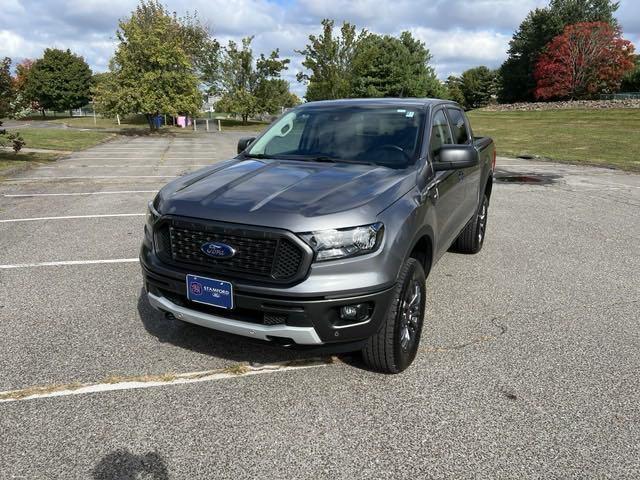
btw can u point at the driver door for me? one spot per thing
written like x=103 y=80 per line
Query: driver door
x=449 y=194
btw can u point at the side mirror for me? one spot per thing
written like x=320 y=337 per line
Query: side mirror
x=244 y=142
x=454 y=157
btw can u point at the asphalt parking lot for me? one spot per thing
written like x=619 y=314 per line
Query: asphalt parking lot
x=529 y=364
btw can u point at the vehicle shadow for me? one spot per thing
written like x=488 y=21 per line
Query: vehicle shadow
x=209 y=342
x=124 y=465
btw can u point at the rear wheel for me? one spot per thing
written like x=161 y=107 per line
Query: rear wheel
x=394 y=347
x=471 y=238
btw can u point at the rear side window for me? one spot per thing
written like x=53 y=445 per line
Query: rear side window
x=458 y=126
x=440 y=134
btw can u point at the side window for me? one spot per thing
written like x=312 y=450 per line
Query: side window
x=458 y=126
x=440 y=134
x=284 y=137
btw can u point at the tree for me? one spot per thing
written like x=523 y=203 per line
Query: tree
x=7 y=96
x=329 y=59
x=516 y=73
x=631 y=81
x=453 y=86
x=252 y=87
x=579 y=11
x=385 y=66
x=59 y=81
x=152 y=70
x=7 y=91
x=541 y=25
x=586 y=59
x=203 y=50
x=273 y=94
x=478 y=86
x=26 y=99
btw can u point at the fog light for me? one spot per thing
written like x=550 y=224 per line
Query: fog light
x=355 y=313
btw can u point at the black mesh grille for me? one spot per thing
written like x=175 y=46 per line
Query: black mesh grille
x=287 y=260
x=163 y=243
x=257 y=254
x=274 y=319
x=252 y=255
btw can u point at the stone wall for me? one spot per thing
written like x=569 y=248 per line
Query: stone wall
x=583 y=104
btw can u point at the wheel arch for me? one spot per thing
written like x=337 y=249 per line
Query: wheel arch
x=488 y=187
x=422 y=250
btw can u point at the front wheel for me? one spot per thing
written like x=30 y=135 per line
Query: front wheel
x=393 y=348
x=471 y=238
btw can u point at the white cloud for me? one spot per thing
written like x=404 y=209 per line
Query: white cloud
x=464 y=47
x=11 y=44
x=460 y=33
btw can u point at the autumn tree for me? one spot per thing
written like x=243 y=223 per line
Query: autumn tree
x=7 y=98
x=517 y=82
x=631 y=81
x=586 y=59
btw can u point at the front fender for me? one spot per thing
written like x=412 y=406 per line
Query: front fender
x=406 y=222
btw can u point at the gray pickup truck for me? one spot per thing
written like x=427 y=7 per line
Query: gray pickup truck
x=321 y=232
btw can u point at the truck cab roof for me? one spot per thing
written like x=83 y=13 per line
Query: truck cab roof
x=378 y=102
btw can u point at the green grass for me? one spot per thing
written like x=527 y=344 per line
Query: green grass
x=594 y=137
x=136 y=121
x=9 y=160
x=232 y=124
x=58 y=139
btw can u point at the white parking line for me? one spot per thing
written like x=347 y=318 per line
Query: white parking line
x=68 y=262
x=183 y=157
x=68 y=217
x=125 y=166
x=134 y=383
x=120 y=192
x=31 y=179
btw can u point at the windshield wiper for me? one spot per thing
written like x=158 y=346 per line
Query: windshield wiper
x=257 y=155
x=328 y=159
x=324 y=158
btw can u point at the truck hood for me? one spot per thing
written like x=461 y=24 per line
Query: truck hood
x=295 y=195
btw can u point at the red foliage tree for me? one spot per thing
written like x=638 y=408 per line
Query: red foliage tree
x=586 y=59
x=22 y=73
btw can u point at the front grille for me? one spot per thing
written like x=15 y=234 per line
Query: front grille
x=274 y=319
x=252 y=255
x=258 y=254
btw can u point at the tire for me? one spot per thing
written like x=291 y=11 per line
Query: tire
x=390 y=350
x=472 y=237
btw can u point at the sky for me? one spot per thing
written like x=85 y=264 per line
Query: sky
x=459 y=33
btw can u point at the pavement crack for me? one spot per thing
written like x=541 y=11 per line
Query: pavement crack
x=502 y=329
x=118 y=382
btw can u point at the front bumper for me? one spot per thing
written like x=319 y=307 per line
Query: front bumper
x=299 y=335
x=306 y=321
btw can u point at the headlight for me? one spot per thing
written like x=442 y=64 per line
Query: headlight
x=347 y=242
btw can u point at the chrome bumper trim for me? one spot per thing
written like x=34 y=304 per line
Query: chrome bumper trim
x=300 y=335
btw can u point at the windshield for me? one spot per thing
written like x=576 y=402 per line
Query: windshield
x=380 y=135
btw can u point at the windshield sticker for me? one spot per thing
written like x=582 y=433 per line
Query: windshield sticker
x=401 y=110
x=410 y=114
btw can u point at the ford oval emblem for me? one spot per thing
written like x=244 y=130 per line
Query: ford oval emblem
x=217 y=250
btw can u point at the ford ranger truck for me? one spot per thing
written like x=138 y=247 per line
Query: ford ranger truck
x=322 y=230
